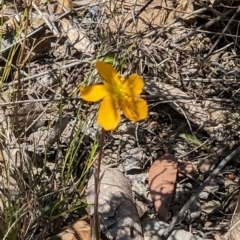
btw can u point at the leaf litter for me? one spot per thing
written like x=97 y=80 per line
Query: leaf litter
x=187 y=53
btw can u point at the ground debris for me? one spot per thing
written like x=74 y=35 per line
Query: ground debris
x=187 y=53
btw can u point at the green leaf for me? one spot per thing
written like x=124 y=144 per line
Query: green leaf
x=191 y=139
x=109 y=59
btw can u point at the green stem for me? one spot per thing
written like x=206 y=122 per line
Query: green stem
x=97 y=170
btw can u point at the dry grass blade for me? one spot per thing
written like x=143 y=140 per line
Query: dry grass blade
x=234 y=231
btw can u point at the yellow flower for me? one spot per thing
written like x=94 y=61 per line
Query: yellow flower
x=116 y=93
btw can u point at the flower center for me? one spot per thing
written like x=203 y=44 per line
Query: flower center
x=118 y=90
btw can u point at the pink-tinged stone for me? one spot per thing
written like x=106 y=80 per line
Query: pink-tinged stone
x=161 y=179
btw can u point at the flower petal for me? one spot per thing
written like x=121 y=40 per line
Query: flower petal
x=135 y=109
x=134 y=84
x=107 y=72
x=94 y=93
x=108 y=114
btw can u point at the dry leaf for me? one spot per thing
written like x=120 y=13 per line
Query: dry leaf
x=180 y=101
x=154 y=15
x=67 y=4
x=10 y=26
x=234 y=232
x=85 y=2
x=80 y=230
x=207 y=165
x=184 y=7
x=162 y=179
x=187 y=168
x=76 y=37
x=37 y=21
x=31 y=116
x=47 y=137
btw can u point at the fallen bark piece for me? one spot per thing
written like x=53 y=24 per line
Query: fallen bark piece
x=117 y=210
x=161 y=179
x=153 y=229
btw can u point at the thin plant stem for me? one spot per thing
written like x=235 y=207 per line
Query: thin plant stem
x=97 y=170
x=20 y=65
